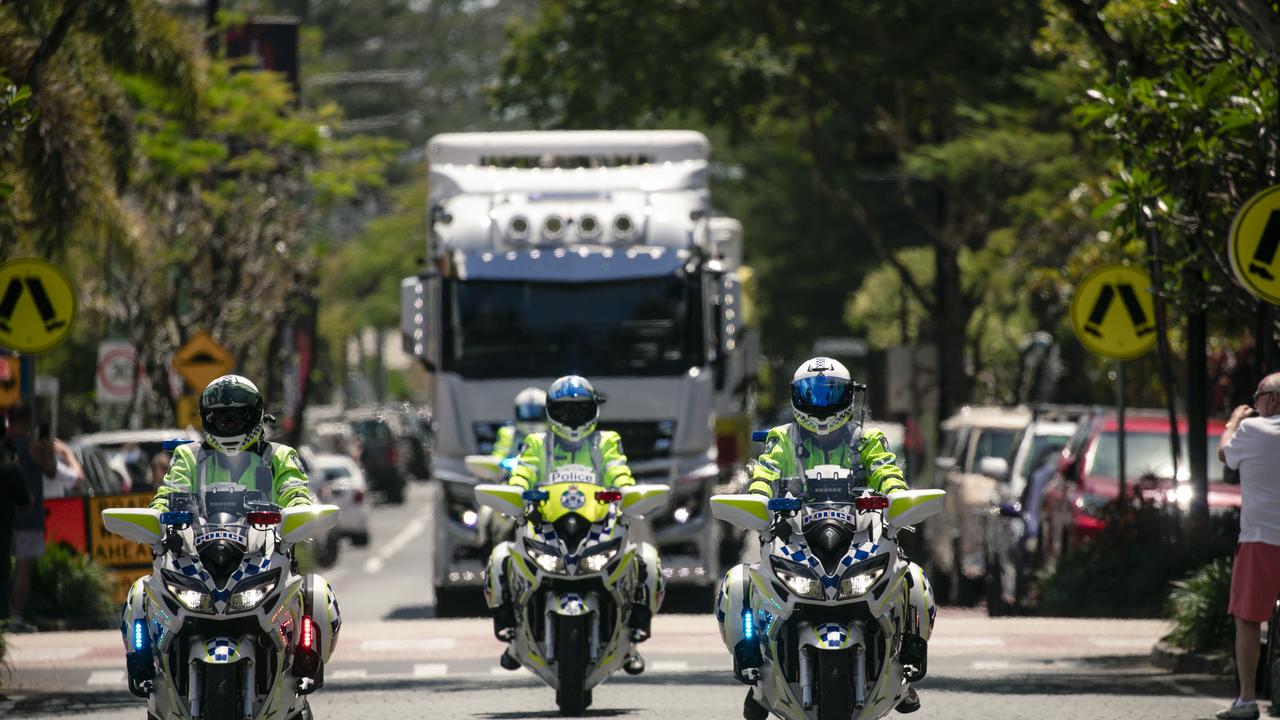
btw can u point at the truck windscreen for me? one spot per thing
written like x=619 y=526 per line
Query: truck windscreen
x=649 y=326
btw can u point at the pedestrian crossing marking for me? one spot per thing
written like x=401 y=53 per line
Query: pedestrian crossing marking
x=1113 y=312
x=1253 y=243
x=430 y=670
x=107 y=677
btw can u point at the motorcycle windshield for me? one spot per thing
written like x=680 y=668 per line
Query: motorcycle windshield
x=572 y=497
x=824 y=489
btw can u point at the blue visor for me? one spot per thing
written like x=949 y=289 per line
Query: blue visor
x=821 y=395
x=571 y=387
x=531 y=412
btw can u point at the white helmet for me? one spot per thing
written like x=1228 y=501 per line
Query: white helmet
x=531 y=410
x=822 y=395
x=232 y=412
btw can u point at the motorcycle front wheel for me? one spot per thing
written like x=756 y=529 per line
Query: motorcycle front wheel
x=835 y=684
x=222 y=693
x=571 y=664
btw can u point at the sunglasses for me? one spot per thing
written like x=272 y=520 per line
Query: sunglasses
x=1263 y=394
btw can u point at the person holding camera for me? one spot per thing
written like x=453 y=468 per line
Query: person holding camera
x=1251 y=444
x=36 y=461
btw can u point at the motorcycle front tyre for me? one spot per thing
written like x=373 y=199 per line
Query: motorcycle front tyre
x=835 y=684
x=222 y=693
x=571 y=664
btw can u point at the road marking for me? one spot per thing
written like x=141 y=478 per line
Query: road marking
x=1121 y=642
x=106 y=677
x=991 y=665
x=966 y=642
x=420 y=644
x=430 y=670
x=669 y=666
x=375 y=564
x=518 y=672
x=349 y=674
x=49 y=654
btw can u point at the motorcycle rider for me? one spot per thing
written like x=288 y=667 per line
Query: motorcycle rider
x=573 y=408
x=822 y=403
x=235 y=450
x=531 y=417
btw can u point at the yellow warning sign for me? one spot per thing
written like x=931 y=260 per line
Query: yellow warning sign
x=37 y=306
x=1113 y=313
x=1252 y=245
x=189 y=411
x=202 y=360
x=112 y=550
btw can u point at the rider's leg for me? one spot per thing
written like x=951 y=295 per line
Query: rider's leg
x=921 y=612
x=322 y=606
x=139 y=661
x=653 y=587
x=497 y=592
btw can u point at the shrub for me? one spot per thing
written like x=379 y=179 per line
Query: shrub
x=1126 y=570
x=66 y=585
x=1198 y=606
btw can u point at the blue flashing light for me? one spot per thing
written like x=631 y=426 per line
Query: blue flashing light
x=759 y=435
x=176 y=517
x=139 y=635
x=784 y=504
x=508 y=464
x=748 y=625
x=535 y=495
x=171 y=445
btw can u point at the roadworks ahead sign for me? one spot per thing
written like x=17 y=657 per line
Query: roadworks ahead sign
x=1252 y=245
x=37 y=306
x=1113 y=313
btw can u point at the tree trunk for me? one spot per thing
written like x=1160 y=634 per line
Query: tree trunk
x=950 y=319
x=1198 y=417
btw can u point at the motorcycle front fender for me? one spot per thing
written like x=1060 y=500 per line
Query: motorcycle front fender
x=830 y=636
x=573 y=604
x=221 y=650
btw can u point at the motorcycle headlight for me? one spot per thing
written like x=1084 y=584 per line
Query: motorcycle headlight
x=599 y=556
x=800 y=581
x=251 y=597
x=856 y=584
x=191 y=599
x=546 y=558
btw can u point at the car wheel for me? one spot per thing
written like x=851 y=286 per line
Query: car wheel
x=360 y=539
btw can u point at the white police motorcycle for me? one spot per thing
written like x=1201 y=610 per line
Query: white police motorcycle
x=572 y=577
x=832 y=622
x=223 y=628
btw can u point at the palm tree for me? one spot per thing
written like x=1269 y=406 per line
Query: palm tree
x=66 y=147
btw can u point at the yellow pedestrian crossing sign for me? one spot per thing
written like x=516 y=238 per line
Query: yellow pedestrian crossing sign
x=1252 y=245
x=1113 y=312
x=37 y=306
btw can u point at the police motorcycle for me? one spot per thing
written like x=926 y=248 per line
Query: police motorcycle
x=573 y=579
x=832 y=622
x=225 y=628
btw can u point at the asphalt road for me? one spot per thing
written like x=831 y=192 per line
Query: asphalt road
x=397 y=660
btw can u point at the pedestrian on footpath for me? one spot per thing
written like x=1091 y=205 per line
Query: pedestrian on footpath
x=1251 y=444
x=37 y=460
x=14 y=496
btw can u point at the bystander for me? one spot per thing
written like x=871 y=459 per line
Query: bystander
x=14 y=496
x=1251 y=444
x=37 y=460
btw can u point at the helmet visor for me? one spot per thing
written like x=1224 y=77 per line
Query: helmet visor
x=572 y=413
x=531 y=412
x=229 y=421
x=821 y=396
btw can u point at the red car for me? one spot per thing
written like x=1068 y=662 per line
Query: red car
x=1087 y=478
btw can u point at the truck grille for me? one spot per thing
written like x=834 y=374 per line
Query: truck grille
x=644 y=439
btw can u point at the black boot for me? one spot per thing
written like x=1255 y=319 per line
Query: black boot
x=504 y=622
x=507 y=662
x=634 y=664
x=910 y=703
x=640 y=622
x=752 y=710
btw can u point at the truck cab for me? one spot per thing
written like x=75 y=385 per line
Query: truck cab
x=592 y=253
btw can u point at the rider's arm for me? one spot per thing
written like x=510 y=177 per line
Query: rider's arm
x=769 y=466
x=616 y=472
x=179 y=479
x=289 y=488
x=883 y=473
x=505 y=444
x=529 y=465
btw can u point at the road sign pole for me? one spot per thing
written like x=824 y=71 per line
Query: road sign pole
x=1120 y=434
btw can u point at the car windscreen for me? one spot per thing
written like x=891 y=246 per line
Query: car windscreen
x=1039 y=445
x=648 y=326
x=1148 y=452
x=993 y=442
x=335 y=472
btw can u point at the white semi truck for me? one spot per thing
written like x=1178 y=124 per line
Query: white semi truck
x=595 y=253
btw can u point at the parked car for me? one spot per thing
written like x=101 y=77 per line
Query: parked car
x=341 y=482
x=1087 y=478
x=1008 y=567
x=379 y=453
x=99 y=477
x=131 y=452
x=977 y=443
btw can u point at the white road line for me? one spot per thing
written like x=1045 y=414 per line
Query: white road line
x=1121 y=642
x=669 y=666
x=348 y=674
x=106 y=677
x=992 y=665
x=19 y=655
x=430 y=670
x=375 y=564
x=419 y=644
x=966 y=642
x=521 y=672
